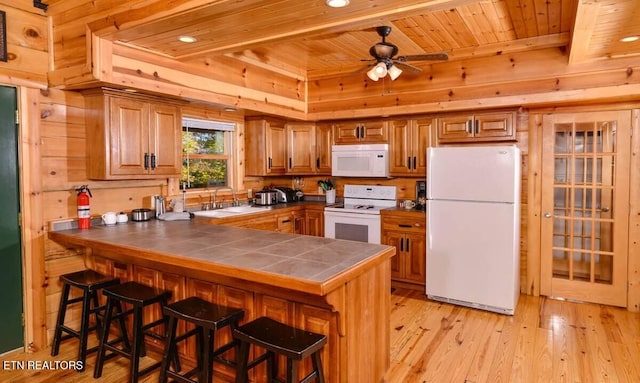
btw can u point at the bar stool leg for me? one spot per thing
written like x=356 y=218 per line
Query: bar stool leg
x=123 y=326
x=138 y=338
x=242 y=374
x=97 y=372
x=98 y=315
x=317 y=365
x=272 y=366
x=62 y=311
x=292 y=371
x=84 y=327
x=207 y=366
x=170 y=348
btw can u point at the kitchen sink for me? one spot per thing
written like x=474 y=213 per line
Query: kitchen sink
x=230 y=211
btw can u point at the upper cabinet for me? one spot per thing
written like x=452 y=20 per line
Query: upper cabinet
x=265 y=144
x=309 y=148
x=132 y=137
x=408 y=143
x=477 y=127
x=363 y=132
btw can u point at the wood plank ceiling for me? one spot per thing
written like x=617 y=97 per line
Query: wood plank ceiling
x=309 y=40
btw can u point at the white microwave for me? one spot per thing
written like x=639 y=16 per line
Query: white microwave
x=360 y=160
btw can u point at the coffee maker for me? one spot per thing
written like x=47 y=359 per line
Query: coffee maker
x=421 y=195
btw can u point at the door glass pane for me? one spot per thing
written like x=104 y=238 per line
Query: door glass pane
x=560 y=200
x=603 y=269
x=604 y=236
x=562 y=170
x=561 y=264
x=581 y=266
x=605 y=170
x=563 y=141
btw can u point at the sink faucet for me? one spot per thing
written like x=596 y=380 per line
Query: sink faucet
x=233 y=194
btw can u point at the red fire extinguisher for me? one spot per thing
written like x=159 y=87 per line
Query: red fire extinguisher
x=84 y=216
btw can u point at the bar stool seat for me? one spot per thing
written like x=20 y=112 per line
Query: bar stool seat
x=278 y=338
x=138 y=296
x=207 y=318
x=90 y=282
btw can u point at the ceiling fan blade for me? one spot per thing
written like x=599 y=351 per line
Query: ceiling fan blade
x=424 y=57
x=406 y=67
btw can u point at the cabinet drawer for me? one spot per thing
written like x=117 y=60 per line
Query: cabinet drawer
x=408 y=224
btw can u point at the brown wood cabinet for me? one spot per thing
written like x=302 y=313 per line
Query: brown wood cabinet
x=309 y=148
x=265 y=144
x=314 y=221
x=360 y=132
x=408 y=143
x=132 y=137
x=478 y=127
x=406 y=230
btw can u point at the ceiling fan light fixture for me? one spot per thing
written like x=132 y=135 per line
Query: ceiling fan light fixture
x=371 y=73
x=394 y=72
x=380 y=69
x=337 y=3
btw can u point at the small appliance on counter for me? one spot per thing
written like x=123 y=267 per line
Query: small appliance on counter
x=421 y=195
x=266 y=198
x=287 y=194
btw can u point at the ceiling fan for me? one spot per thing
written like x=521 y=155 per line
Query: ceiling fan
x=387 y=63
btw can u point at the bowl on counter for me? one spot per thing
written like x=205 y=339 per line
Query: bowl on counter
x=138 y=215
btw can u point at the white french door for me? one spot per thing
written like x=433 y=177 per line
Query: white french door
x=585 y=203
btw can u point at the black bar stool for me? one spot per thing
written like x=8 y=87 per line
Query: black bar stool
x=139 y=296
x=278 y=338
x=208 y=318
x=90 y=282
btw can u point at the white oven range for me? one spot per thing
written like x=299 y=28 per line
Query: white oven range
x=358 y=218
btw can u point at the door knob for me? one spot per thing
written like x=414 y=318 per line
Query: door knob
x=605 y=209
x=547 y=215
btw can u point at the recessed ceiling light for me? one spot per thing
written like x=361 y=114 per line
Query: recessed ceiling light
x=337 y=3
x=229 y=109
x=187 y=39
x=630 y=39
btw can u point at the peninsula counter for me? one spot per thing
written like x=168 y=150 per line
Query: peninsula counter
x=334 y=287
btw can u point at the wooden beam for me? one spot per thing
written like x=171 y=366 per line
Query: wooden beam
x=583 y=29
x=311 y=18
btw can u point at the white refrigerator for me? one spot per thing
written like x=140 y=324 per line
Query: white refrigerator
x=473 y=226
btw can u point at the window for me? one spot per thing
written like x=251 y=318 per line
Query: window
x=206 y=153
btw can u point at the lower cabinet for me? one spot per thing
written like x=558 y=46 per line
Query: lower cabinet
x=406 y=230
x=307 y=220
x=314 y=221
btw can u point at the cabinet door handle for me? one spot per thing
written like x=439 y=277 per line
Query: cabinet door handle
x=405 y=225
x=401 y=244
x=477 y=126
x=153 y=161
x=146 y=161
x=409 y=162
x=358 y=131
x=362 y=134
x=414 y=162
x=318 y=163
x=286 y=220
x=289 y=162
x=407 y=247
x=469 y=126
x=269 y=163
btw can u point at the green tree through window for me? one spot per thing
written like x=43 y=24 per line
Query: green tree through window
x=206 y=151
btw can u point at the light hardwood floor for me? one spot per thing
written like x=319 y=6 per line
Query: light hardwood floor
x=546 y=341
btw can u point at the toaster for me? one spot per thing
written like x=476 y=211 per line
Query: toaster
x=286 y=194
